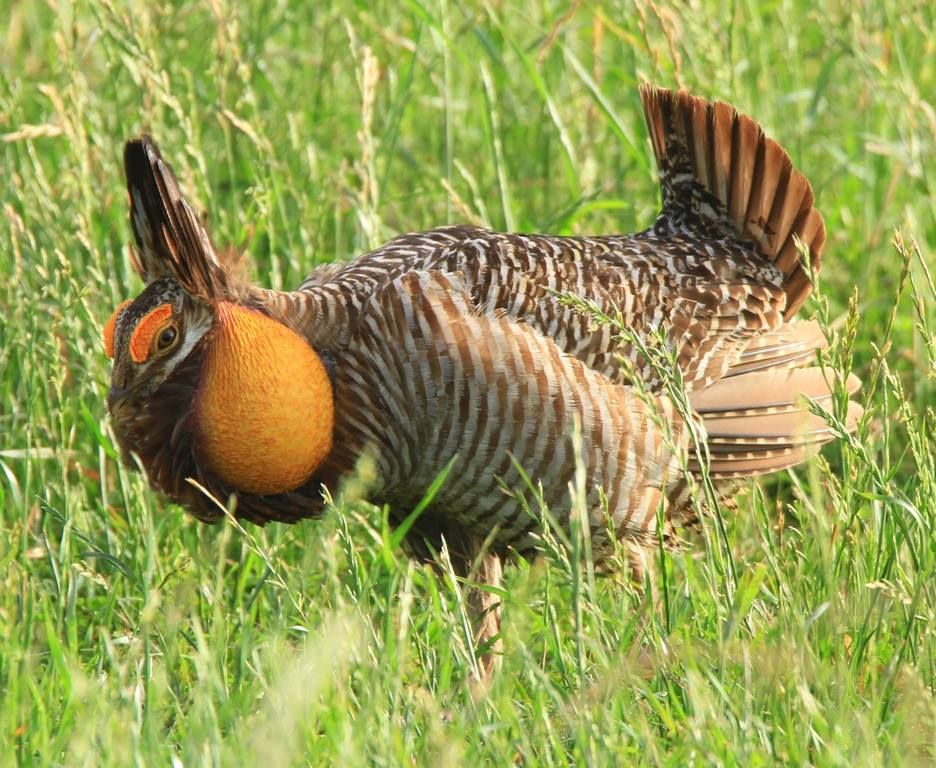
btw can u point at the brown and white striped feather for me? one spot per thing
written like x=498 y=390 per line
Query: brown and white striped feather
x=449 y=381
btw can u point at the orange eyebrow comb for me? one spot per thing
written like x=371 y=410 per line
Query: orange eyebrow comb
x=142 y=339
x=110 y=326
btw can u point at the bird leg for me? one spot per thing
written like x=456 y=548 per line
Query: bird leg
x=485 y=610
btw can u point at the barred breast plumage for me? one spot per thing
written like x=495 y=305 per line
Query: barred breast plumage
x=460 y=346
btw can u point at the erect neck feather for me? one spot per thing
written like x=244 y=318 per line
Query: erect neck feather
x=264 y=411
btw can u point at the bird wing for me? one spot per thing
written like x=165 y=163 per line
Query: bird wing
x=428 y=380
x=707 y=299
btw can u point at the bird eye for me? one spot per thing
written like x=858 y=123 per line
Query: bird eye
x=167 y=337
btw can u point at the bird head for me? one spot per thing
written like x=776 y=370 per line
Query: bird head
x=148 y=337
x=205 y=381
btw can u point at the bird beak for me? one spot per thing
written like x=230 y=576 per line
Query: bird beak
x=115 y=398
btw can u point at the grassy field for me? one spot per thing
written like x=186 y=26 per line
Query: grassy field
x=805 y=633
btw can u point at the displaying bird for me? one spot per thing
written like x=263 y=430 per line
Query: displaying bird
x=459 y=346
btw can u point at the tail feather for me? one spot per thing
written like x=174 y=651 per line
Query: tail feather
x=765 y=391
x=723 y=177
x=171 y=241
x=753 y=464
x=765 y=428
x=760 y=422
x=790 y=346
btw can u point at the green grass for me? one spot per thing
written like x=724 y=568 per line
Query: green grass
x=130 y=634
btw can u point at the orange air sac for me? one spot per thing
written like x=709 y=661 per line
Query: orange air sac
x=264 y=411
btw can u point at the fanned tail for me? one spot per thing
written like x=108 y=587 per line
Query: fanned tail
x=721 y=176
x=760 y=421
x=169 y=237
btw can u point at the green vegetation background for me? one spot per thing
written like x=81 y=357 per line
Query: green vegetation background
x=130 y=634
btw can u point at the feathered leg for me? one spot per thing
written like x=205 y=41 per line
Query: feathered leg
x=485 y=609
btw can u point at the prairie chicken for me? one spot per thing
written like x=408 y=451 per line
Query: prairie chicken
x=456 y=345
